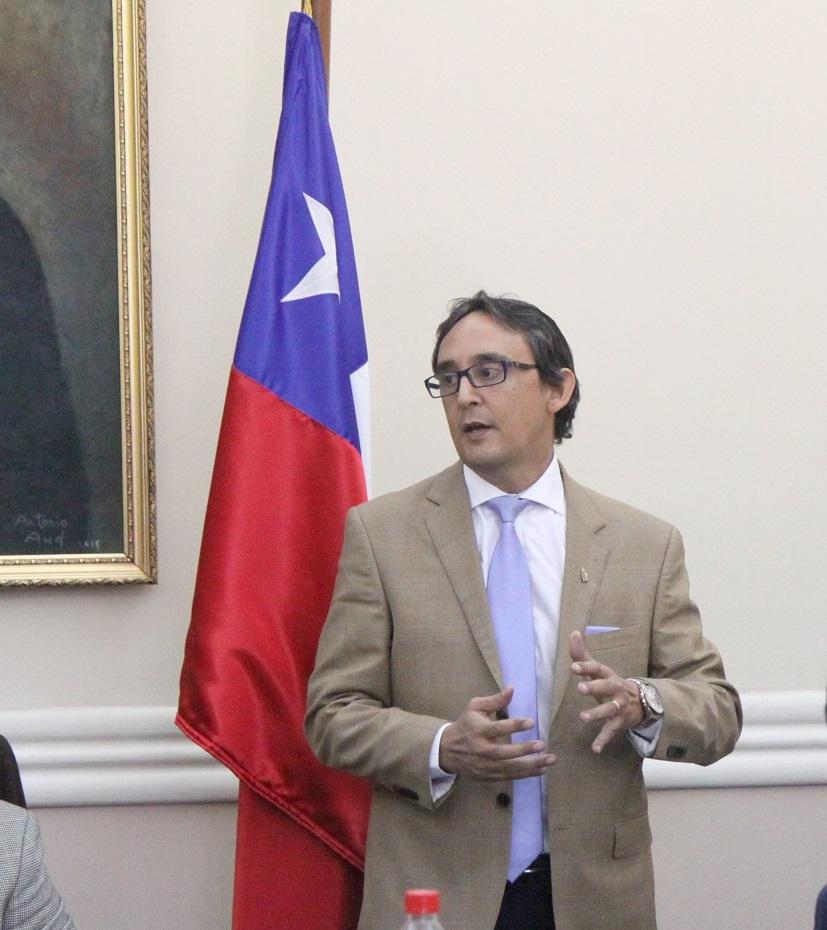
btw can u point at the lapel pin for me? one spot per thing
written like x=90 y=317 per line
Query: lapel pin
x=584 y=575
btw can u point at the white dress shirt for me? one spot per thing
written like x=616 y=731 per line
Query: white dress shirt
x=541 y=528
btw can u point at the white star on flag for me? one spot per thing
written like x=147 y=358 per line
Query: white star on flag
x=323 y=277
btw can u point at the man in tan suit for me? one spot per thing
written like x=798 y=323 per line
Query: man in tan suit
x=408 y=690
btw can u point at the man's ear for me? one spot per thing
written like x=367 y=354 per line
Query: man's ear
x=561 y=393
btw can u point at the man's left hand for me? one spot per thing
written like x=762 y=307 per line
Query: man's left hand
x=618 y=701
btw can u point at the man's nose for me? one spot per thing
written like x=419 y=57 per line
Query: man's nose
x=467 y=393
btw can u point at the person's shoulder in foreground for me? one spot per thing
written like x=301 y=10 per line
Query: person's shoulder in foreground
x=28 y=899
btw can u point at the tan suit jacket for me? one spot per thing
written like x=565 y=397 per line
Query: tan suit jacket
x=409 y=642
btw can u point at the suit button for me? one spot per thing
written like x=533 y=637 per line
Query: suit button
x=503 y=799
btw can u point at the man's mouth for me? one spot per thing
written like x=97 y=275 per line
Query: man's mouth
x=474 y=427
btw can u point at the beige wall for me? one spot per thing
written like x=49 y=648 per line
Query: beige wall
x=165 y=867
x=739 y=859
x=735 y=859
x=651 y=174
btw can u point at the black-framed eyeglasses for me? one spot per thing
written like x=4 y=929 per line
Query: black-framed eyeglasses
x=483 y=374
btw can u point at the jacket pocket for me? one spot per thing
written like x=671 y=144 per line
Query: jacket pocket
x=595 y=642
x=632 y=837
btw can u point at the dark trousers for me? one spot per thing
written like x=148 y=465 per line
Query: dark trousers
x=526 y=903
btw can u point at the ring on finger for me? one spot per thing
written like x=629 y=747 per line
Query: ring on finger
x=617 y=706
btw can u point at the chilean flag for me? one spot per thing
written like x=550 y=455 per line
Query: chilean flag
x=289 y=464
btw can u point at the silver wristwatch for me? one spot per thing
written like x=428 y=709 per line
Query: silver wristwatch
x=650 y=702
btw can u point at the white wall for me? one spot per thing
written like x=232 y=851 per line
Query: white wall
x=143 y=868
x=171 y=868
x=650 y=174
x=738 y=859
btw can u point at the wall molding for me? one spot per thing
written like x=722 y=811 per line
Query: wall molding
x=99 y=756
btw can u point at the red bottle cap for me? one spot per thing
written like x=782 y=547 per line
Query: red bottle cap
x=421 y=901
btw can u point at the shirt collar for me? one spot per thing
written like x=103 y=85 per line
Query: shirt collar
x=546 y=490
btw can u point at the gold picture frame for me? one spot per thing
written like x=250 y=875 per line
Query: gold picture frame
x=77 y=482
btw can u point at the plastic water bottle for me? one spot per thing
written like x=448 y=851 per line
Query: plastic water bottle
x=422 y=910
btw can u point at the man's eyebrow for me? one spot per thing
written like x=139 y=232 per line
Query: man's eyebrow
x=450 y=365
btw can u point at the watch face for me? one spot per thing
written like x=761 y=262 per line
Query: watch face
x=653 y=699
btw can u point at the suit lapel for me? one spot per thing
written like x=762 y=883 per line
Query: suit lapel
x=452 y=532
x=585 y=561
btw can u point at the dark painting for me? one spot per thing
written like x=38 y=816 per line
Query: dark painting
x=62 y=476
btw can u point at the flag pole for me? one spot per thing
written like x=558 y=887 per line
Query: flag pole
x=321 y=12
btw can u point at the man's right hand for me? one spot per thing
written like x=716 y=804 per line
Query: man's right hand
x=478 y=743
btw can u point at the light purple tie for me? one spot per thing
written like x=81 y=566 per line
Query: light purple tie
x=509 y=596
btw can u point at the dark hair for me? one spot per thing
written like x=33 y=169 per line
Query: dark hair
x=548 y=345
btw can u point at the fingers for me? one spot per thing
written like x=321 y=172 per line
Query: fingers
x=517 y=756
x=491 y=703
x=589 y=669
x=615 y=697
x=500 y=726
x=612 y=714
x=577 y=647
x=527 y=767
x=618 y=709
x=608 y=732
x=604 y=711
x=505 y=761
x=479 y=744
x=582 y=663
x=603 y=686
x=490 y=761
x=608 y=710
